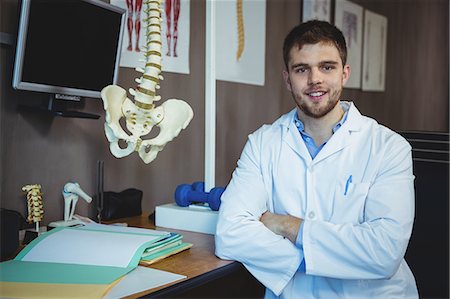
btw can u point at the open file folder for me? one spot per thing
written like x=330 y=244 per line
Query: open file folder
x=94 y=255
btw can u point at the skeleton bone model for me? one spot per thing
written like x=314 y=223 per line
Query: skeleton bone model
x=142 y=115
x=34 y=203
x=71 y=192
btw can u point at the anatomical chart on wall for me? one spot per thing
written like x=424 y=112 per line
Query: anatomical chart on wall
x=241 y=41
x=374 y=57
x=316 y=10
x=349 y=18
x=175 y=34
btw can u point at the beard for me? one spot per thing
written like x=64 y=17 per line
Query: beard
x=316 y=111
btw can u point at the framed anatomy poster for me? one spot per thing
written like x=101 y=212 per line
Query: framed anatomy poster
x=240 y=35
x=175 y=30
x=374 y=54
x=349 y=19
x=316 y=10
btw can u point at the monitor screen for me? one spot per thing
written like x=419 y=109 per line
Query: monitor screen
x=68 y=47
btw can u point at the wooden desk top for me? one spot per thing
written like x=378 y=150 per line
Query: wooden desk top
x=197 y=262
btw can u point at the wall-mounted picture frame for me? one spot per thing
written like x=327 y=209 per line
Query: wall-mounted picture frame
x=241 y=41
x=316 y=10
x=175 y=36
x=374 y=53
x=348 y=18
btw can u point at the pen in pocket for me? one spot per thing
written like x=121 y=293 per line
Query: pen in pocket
x=349 y=180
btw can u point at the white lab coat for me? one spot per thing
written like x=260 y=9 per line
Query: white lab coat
x=353 y=244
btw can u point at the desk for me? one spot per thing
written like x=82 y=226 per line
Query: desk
x=207 y=275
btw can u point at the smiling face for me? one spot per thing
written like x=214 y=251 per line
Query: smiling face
x=315 y=76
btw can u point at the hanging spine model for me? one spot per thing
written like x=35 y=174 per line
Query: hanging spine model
x=34 y=203
x=141 y=115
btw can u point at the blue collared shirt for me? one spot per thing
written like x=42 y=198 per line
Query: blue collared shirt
x=309 y=141
x=313 y=150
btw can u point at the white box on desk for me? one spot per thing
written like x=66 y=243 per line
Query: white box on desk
x=194 y=218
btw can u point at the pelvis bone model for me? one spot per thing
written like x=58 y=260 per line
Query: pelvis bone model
x=142 y=115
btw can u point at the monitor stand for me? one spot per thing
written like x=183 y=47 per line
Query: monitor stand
x=53 y=110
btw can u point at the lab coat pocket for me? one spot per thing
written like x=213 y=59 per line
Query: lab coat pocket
x=349 y=202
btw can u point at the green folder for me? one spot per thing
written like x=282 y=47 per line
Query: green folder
x=22 y=270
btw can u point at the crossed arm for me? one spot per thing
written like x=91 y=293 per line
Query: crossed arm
x=283 y=225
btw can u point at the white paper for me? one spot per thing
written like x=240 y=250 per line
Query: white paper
x=141 y=279
x=250 y=68
x=84 y=247
x=374 y=57
x=124 y=229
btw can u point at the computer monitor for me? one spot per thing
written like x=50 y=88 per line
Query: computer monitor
x=68 y=47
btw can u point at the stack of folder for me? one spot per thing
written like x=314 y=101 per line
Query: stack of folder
x=84 y=261
x=163 y=248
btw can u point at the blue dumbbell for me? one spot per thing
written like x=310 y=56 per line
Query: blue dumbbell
x=198 y=186
x=186 y=194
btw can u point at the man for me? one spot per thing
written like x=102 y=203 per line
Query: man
x=321 y=204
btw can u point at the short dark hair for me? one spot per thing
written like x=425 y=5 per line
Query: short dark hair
x=313 y=32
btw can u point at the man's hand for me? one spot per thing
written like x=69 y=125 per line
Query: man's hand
x=283 y=225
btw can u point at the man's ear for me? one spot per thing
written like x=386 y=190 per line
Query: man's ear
x=287 y=80
x=346 y=74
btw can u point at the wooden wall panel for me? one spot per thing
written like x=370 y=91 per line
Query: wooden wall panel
x=242 y=108
x=39 y=149
x=51 y=151
x=417 y=76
